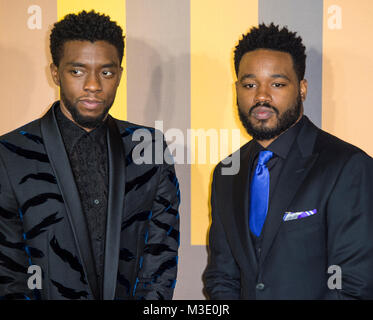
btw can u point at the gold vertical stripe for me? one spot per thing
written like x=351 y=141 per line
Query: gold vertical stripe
x=216 y=27
x=347 y=64
x=116 y=9
x=26 y=87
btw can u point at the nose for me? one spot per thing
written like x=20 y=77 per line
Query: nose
x=262 y=95
x=92 y=83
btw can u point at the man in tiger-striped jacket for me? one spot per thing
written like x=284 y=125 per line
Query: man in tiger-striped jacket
x=92 y=208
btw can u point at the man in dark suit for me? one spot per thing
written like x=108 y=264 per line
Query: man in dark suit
x=296 y=222
x=81 y=201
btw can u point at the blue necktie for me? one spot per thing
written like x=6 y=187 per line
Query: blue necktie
x=259 y=193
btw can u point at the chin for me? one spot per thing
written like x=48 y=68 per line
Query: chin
x=90 y=113
x=267 y=124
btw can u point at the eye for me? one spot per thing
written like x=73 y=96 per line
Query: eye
x=249 y=85
x=278 y=85
x=107 y=73
x=76 y=72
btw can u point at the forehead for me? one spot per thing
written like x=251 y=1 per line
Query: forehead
x=264 y=61
x=86 y=51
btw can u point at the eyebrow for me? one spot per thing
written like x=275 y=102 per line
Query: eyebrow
x=280 y=75
x=275 y=75
x=79 y=64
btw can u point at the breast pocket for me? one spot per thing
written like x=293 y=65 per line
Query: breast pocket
x=308 y=222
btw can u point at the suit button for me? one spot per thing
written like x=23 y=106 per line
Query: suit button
x=260 y=286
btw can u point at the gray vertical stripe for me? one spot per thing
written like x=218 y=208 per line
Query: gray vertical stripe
x=158 y=88
x=306 y=18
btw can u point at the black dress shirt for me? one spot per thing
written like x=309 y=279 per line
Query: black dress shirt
x=87 y=152
x=280 y=148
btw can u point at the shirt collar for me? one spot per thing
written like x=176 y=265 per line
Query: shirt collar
x=282 y=144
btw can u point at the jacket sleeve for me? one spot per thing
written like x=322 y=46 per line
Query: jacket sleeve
x=13 y=257
x=350 y=229
x=158 y=265
x=222 y=275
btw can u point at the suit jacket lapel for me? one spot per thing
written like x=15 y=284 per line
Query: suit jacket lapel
x=241 y=209
x=61 y=166
x=295 y=169
x=115 y=208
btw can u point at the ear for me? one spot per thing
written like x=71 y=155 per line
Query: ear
x=303 y=84
x=120 y=75
x=236 y=85
x=54 y=73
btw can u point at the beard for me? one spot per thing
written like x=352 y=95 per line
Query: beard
x=284 y=120
x=84 y=121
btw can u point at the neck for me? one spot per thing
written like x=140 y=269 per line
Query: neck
x=266 y=143
x=68 y=115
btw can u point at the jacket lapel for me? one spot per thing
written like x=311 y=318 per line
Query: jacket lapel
x=61 y=166
x=115 y=208
x=296 y=167
x=240 y=204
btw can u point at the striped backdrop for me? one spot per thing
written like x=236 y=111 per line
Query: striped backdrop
x=179 y=69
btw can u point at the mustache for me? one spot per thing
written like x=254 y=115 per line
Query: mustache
x=263 y=104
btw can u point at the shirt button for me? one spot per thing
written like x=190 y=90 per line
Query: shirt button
x=96 y=201
x=260 y=286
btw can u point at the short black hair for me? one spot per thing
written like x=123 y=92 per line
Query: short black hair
x=85 y=26
x=273 y=38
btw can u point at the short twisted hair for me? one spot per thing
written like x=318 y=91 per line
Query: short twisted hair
x=272 y=38
x=88 y=26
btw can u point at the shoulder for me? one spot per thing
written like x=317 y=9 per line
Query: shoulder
x=331 y=150
x=143 y=144
x=333 y=147
x=24 y=134
x=336 y=155
x=127 y=129
x=133 y=134
x=231 y=165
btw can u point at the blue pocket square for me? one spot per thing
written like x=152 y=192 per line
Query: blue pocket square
x=298 y=215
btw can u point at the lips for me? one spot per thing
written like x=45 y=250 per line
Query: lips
x=91 y=104
x=262 y=113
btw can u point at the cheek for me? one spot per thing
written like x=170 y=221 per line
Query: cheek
x=71 y=88
x=286 y=102
x=111 y=90
x=244 y=99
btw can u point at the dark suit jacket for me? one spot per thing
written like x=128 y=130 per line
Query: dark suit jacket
x=322 y=173
x=42 y=222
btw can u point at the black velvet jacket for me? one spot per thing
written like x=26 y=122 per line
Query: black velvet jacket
x=42 y=222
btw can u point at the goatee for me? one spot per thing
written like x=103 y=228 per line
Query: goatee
x=81 y=120
x=284 y=121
